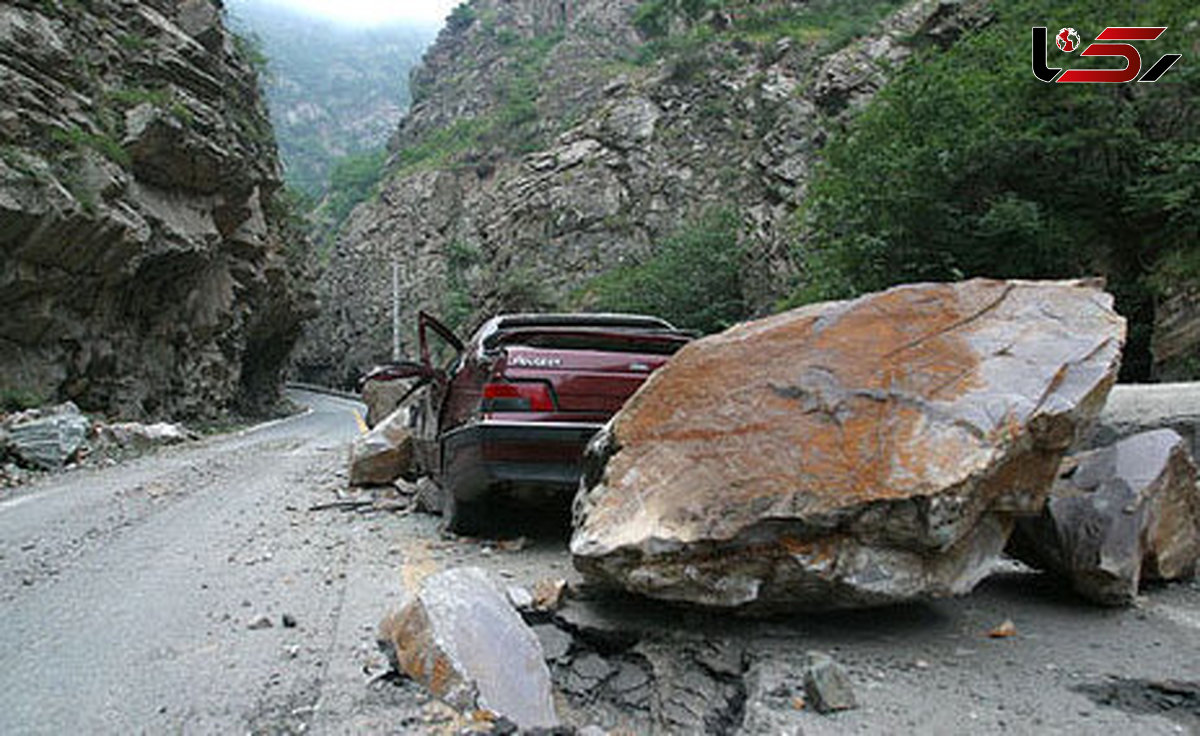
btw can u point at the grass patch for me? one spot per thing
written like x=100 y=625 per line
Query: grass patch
x=676 y=29
x=77 y=138
x=514 y=124
x=132 y=42
x=14 y=398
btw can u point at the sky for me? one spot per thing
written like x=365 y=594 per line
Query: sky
x=369 y=12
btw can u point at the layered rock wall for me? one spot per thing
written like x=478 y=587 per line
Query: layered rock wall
x=147 y=268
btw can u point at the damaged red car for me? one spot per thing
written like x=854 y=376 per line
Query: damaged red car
x=508 y=413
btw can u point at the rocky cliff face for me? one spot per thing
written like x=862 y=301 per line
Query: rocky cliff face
x=145 y=260
x=550 y=141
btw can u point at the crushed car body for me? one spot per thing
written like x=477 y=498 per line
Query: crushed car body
x=510 y=411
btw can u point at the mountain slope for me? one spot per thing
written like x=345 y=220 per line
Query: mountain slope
x=552 y=143
x=333 y=90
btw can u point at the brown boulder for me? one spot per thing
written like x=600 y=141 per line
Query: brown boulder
x=1116 y=516
x=384 y=454
x=463 y=641
x=850 y=453
x=384 y=397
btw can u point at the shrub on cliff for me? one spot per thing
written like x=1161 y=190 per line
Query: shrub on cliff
x=691 y=278
x=966 y=165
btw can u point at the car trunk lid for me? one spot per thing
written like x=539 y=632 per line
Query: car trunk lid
x=588 y=371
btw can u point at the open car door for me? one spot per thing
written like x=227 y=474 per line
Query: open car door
x=440 y=353
x=440 y=350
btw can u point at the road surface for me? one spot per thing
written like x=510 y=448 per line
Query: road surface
x=128 y=594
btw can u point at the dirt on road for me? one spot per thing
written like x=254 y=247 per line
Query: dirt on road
x=194 y=591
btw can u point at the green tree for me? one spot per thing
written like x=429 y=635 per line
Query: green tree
x=691 y=279
x=966 y=165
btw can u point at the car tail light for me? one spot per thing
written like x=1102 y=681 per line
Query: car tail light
x=525 y=396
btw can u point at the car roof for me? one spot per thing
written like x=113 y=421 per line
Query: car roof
x=587 y=320
x=584 y=319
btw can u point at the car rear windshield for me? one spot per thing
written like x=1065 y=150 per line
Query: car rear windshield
x=665 y=343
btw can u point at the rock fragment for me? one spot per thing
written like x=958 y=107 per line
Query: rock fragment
x=429 y=496
x=556 y=643
x=138 y=436
x=826 y=684
x=774 y=689
x=463 y=641
x=548 y=594
x=46 y=439
x=1003 y=630
x=1119 y=515
x=520 y=597
x=846 y=454
x=384 y=454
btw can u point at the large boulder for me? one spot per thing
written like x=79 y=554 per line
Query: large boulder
x=1117 y=516
x=384 y=397
x=46 y=439
x=464 y=642
x=384 y=454
x=850 y=453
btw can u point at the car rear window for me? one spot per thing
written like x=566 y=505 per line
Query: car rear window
x=647 y=344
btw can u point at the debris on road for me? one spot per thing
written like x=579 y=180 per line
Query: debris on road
x=1004 y=630
x=260 y=622
x=386 y=499
x=775 y=699
x=826 y=684
x=384 y=454
x=45 y=439
x=462 y=640
x=138 y=436
x=427 y=496
x=548 y=594
x=1116 y=516
x=520 y=597
x=512 y=545
x=345 y=504
x=11 y=475
x=556 y=643
x=847 y=454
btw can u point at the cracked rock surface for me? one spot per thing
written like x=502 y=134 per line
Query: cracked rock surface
x=847 y=454
x=1117 y=516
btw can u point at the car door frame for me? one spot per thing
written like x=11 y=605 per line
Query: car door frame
x=428 y=446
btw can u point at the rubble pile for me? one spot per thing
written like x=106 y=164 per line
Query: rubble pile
x=1117 y=516
x=138 y=436
x=847 y=454
x=57 y=437
x=384 y=454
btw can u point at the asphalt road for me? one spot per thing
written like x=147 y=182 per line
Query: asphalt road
x=126 y=593
x=127 y=596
